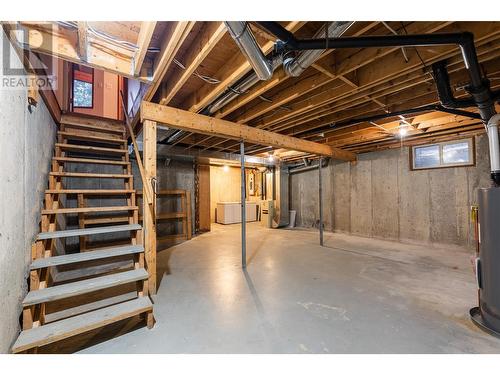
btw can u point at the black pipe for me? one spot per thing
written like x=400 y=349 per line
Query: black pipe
x=425 y=108
x=279 y=31
x=478 y=88
x=442 y=79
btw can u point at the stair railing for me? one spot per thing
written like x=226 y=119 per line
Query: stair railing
x=147 y=188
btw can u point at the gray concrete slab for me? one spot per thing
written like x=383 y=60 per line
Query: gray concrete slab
x=355 y=295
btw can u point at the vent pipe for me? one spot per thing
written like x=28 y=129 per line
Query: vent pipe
x=295 y=66
x=243 y=36
x=492 y=129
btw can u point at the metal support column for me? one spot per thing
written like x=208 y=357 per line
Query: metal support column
x=243 y=208
x=320 y=203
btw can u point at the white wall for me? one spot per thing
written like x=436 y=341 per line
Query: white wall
x=26 y=144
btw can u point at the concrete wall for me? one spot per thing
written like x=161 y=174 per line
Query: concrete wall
x=26 y=146
x=379 y=196
x=171 y=174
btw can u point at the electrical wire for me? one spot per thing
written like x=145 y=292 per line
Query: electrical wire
x=415 y=48
x=207 y=79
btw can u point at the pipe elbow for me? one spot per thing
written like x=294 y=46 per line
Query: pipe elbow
x=466 y=39
x=494 y=120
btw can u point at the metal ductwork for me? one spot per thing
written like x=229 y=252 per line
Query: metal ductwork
x=240 y=88
x=295 y=66
x=243 y=36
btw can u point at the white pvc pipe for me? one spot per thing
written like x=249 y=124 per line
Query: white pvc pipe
x=493 y=142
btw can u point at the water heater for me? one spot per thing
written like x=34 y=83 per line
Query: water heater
x=487 y=314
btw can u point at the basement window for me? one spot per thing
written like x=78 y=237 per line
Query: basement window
x=442 y=155
x=83 y=87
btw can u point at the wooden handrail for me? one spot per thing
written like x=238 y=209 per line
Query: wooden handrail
x=148 y=190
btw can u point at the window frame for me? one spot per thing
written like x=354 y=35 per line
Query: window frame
x=471 y=163
x=73 y=89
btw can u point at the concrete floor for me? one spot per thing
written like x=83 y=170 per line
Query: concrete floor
x=355 y=295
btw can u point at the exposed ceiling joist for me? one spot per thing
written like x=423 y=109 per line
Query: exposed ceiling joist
x=185 y=120
x=236 y=68
x=208 y=38
x=143 y=40
x=171 y=46
x=306 y=85
x=278 y=78
x=373 y=81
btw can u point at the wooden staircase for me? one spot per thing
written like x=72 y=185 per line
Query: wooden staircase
x=76 y=284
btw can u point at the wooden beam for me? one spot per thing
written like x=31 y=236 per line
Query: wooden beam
x=83 y=40
x=206 y=40
x=279 y=77
x=149 y=215
x=143 y=40
x=185 y=120
x=233 y=70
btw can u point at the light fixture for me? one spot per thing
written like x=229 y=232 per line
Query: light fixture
x=270 y=158
x=403 y=128
x=225 y=168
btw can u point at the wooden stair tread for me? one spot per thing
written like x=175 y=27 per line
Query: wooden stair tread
x=90 y=191
x=109 y=130
x=97 y=123
x=77 y=288
x=63 y=159
x=75 y=325
x=80 y=148
x=70 y=135
x=88 y=209
x=105 y=252
x=168 y=215
x=87 y=231
x=106 y=220
x=90 y=175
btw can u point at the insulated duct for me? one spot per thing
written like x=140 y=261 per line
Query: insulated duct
x=295 y=66
x=242 y=35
